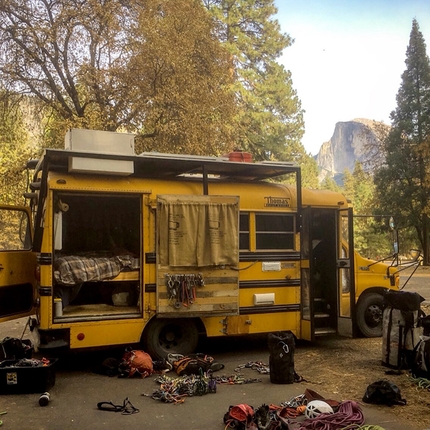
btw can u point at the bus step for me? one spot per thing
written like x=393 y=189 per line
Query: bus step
x=321 y=315
x=324 y=331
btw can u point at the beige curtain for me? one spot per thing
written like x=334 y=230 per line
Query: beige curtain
x=198 y=231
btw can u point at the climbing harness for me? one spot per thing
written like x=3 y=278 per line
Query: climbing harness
x=126 y=408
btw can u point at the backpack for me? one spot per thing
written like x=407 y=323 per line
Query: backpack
x=281 y=358
x=194 y=364
x=420 y=365
x=239 y=417
x=383 y=393
x=12 y=348
x=136 y=362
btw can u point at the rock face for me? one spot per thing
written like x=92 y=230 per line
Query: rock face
x=351 y=141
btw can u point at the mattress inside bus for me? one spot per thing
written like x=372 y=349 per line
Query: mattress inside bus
x=72 y=270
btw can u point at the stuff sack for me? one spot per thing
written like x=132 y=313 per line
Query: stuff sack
x=239 y=417
x=12 y=348
x=401 y=331
x=194 y=364
x=281 y=359
x=136 y=362
x=383 y=393
x=420 y=365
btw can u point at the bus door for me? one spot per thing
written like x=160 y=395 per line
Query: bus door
x=318 y=271
x=345 y=274
x=17 y=264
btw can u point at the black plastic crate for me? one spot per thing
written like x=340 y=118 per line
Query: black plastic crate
x=18 y=379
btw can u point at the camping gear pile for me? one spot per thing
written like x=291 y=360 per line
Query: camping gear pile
x=307 y=411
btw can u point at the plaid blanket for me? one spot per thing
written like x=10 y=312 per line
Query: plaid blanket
x=72 y=270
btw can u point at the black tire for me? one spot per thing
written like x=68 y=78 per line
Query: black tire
x=369 y=314
x=165 y=336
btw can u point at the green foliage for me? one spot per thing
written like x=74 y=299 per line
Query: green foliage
x=371 y=237
x=270 y=117
x=16 y=149
x=329 y=183
x=153 y=68
x=403 y=186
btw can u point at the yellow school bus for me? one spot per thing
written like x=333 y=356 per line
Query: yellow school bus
x=158 y=249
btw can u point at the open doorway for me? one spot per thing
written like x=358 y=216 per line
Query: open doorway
x=323 y=269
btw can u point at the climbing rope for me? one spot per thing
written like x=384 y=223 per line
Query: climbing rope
x=2 y=413
x=422 y=383
x=348 y=414
x=365 y=427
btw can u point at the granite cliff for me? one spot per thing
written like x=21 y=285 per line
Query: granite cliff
x=351 y=141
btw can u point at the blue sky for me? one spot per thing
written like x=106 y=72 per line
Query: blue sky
x=347 y=58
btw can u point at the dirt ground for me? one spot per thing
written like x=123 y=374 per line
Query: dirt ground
x=343 y=368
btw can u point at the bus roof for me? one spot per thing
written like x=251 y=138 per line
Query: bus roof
x=160 y=165
x=323 y=198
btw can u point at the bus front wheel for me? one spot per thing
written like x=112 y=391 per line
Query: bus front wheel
x=369 y=314
x=165 y=336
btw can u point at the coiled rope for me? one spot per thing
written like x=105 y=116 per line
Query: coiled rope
x=365 y=427
x=348 y=414
x=422 y=383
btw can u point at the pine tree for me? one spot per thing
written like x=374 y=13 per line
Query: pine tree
x=403 y=183
x=271 y=117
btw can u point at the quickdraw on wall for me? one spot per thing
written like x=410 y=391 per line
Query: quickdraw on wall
x=181 y=288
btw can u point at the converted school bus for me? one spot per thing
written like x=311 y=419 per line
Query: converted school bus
x=157 y=249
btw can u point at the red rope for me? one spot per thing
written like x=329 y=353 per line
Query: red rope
x=348 y=413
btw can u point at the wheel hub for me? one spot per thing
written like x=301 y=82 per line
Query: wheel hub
x=373 y=315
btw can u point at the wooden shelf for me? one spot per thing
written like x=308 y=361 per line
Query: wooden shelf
x=126 y=276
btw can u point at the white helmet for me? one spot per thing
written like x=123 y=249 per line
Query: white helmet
x=317 y=407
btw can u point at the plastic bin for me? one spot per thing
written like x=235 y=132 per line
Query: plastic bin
x=16 y=379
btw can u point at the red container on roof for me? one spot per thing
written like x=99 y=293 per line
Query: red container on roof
x=240 y=156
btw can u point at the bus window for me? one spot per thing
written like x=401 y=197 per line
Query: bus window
x=274 y=231
x=244 y=232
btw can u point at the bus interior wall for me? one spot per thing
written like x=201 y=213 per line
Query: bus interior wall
x=96 y=228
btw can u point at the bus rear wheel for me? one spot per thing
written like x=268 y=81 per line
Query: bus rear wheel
x=165 y=336
x=369 y=315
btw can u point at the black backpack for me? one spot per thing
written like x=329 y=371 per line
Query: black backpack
x=12 y=348
x=281 y=359
x=420 y=364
